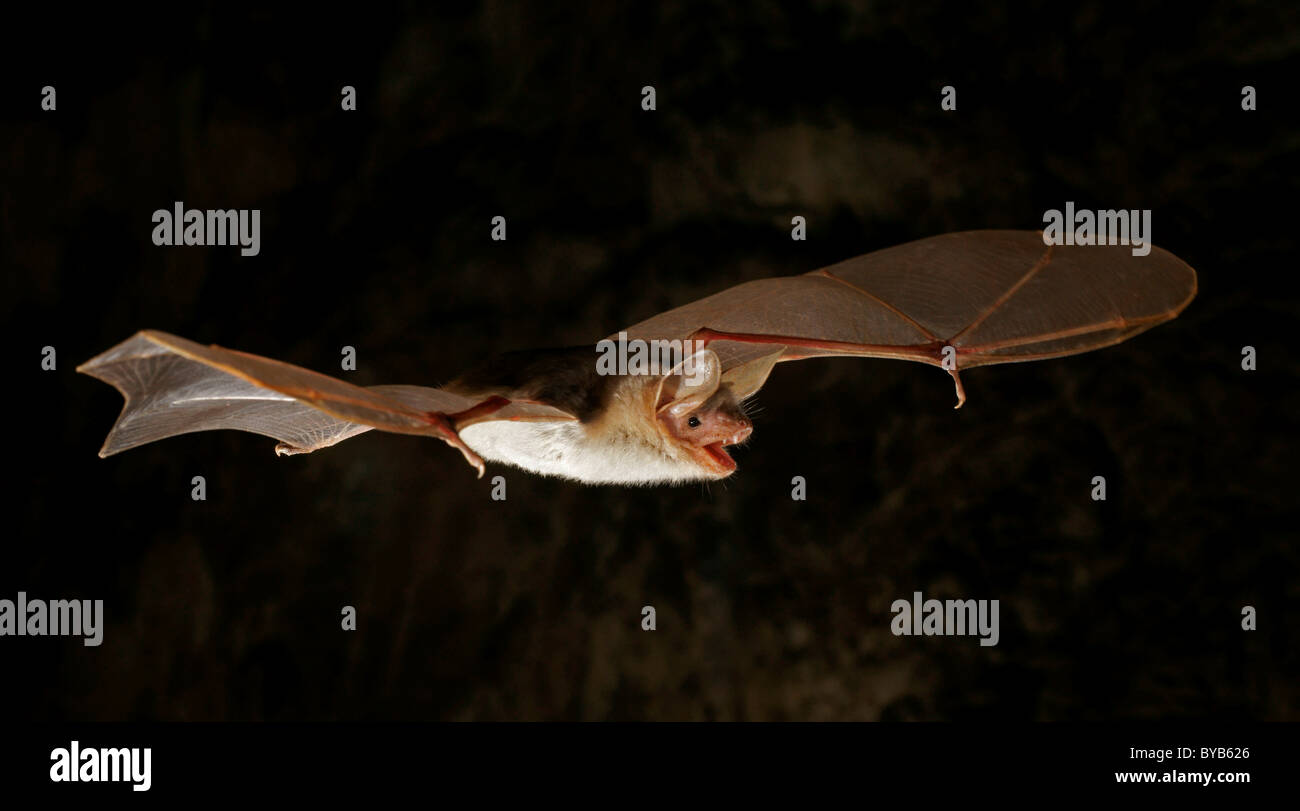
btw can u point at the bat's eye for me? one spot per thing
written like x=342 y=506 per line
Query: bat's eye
x=694 y=422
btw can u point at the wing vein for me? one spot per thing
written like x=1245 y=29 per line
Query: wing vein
x=1117 y=323
x=927 y=333
x=1042 y=262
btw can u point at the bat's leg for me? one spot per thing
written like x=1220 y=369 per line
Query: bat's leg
x=448 y=427
x=447 y=433
x=475 y=413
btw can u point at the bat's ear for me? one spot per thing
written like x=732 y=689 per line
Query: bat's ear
x=692 y=382
x=747 y=377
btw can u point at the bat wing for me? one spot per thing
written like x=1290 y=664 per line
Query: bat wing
x=173 y=386
x=992 y=296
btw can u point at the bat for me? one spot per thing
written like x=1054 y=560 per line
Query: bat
x=955 y=301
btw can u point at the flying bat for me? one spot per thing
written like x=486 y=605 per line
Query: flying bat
x=955 y=301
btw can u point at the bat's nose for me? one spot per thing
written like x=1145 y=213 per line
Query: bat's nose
x=743 y=429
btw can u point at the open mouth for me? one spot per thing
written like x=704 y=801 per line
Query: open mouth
x=722 y=460
x=714 y=456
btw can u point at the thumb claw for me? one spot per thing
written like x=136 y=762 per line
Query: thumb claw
x=961 y=391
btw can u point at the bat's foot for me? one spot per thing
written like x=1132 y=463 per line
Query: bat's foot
x=961 y=390
x=445 y=425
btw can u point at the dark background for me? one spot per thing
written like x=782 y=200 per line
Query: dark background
x=375 y=234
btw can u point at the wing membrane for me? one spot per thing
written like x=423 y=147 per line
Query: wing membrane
x=173 y=386
x=994 y=296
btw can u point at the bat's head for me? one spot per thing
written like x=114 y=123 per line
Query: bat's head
x=700 y=416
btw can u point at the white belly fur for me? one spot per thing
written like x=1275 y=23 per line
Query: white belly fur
x=574 y=451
